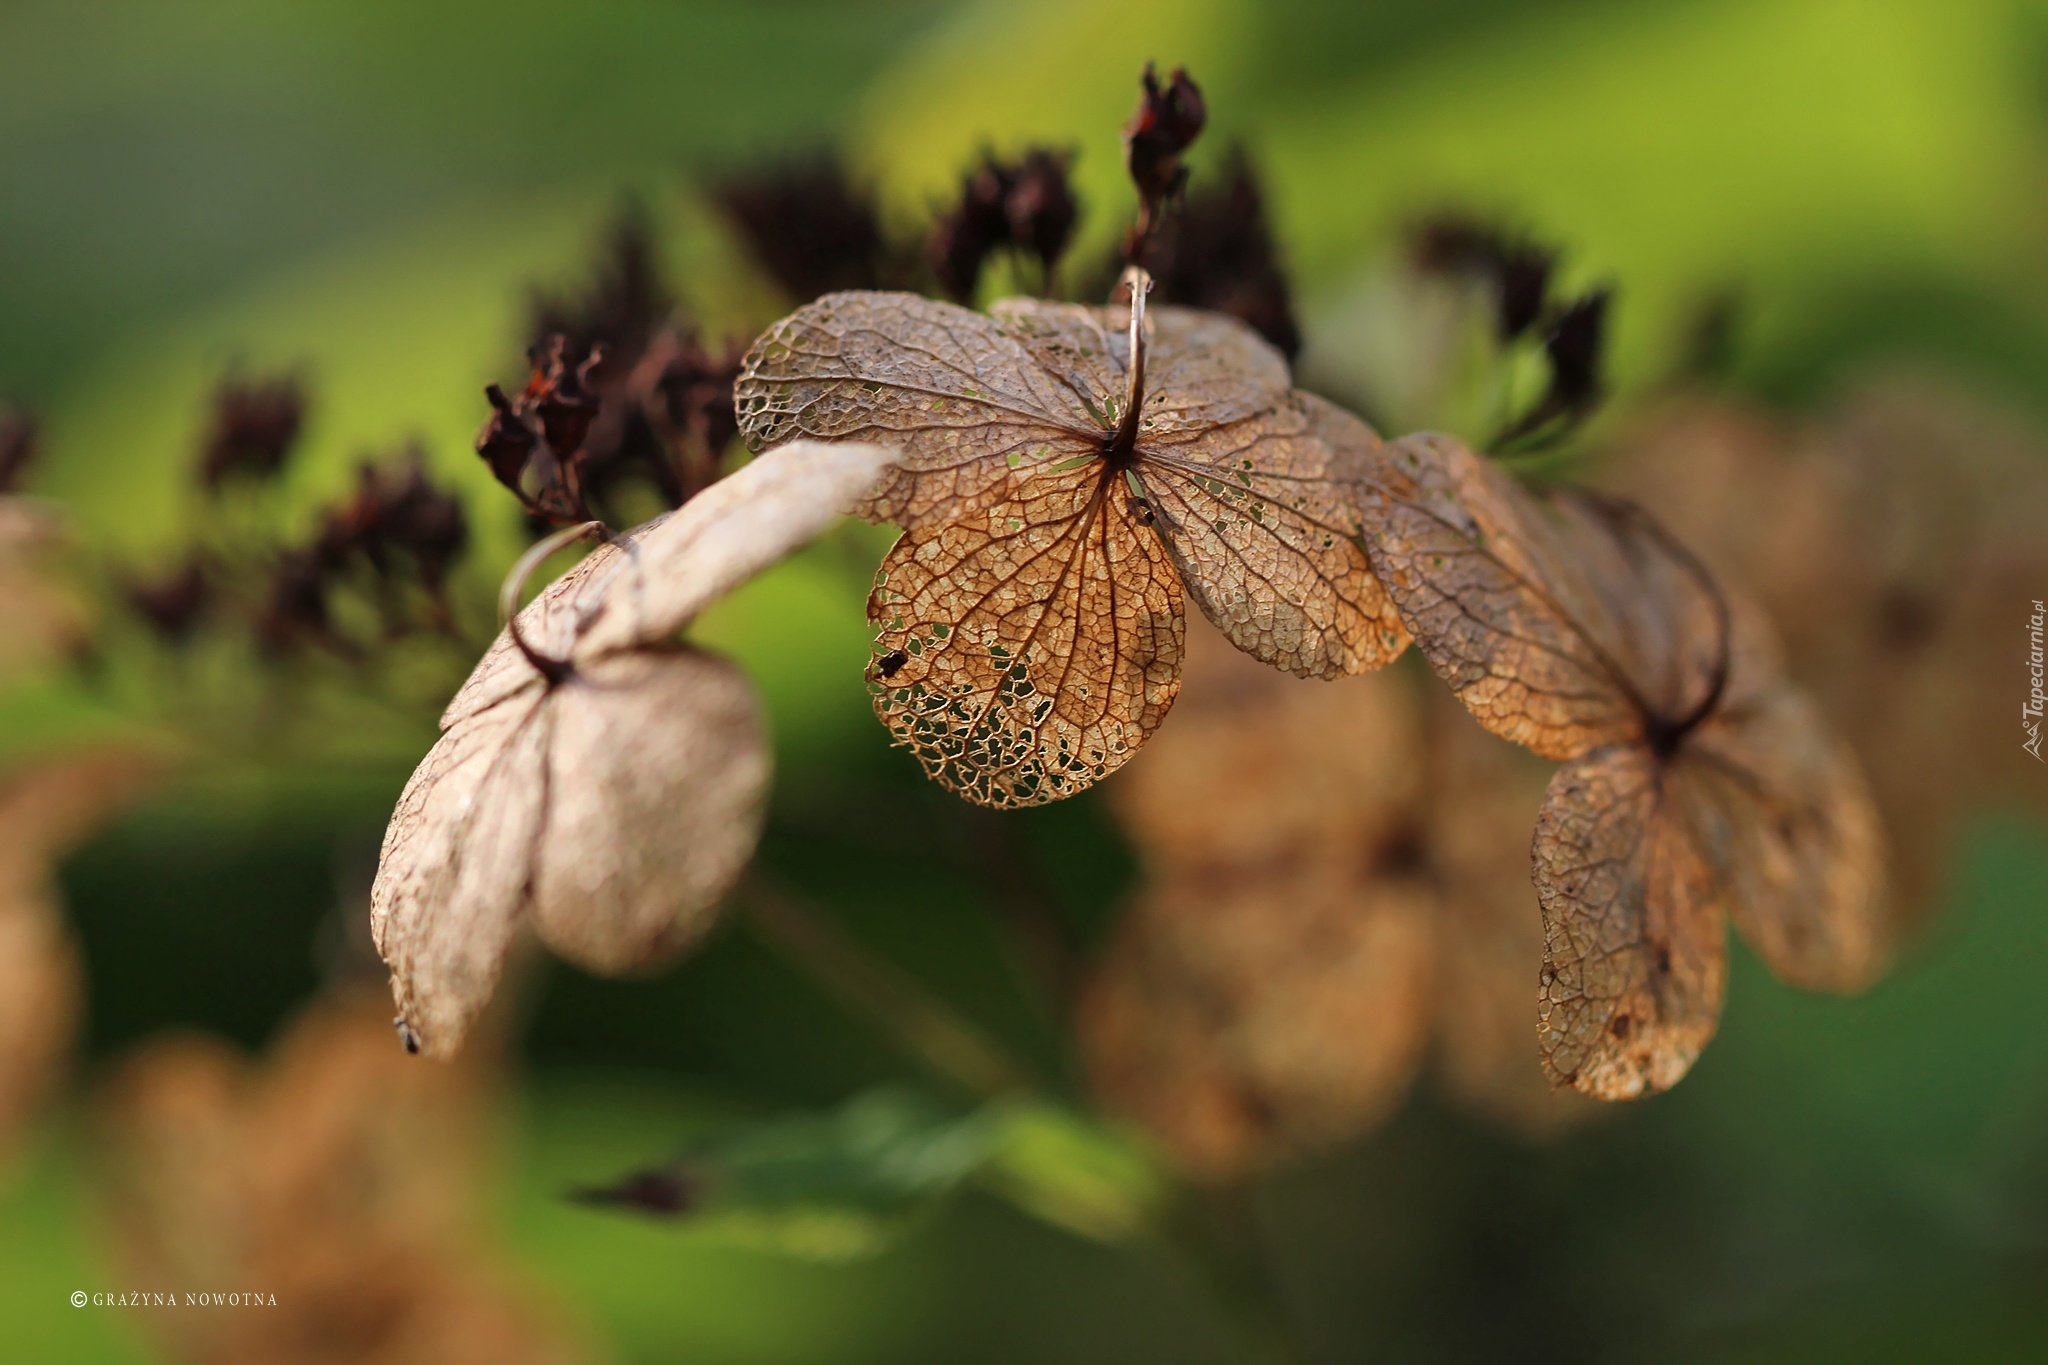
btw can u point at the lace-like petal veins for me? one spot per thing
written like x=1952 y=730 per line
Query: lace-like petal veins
x=1201 y=369
x=1780 y=806
x=1561 y=624
x=1634 y=951
x=457 y=859
x=1028 y=653
x=673 y=757
x=1268 y=538
x=966 y=403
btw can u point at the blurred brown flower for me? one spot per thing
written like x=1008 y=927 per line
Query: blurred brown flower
x=1337 y=880
x=338 y=1179
x=1898 y=544
x=47 y=808
x=41 y=618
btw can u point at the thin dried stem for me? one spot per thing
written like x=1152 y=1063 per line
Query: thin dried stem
x=1139 y=283
x=878 y=990
x=554 y=670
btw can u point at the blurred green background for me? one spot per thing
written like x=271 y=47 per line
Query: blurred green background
x=368 y=190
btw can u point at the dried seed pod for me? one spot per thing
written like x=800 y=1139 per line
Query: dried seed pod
x=597 y=781
x=255 y=425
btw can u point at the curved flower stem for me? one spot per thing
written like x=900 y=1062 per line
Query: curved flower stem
x=554 y=670
x=1125 y=440
x=878 y=990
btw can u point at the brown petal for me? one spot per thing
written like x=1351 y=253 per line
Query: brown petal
x=1259 y=768
x=1778 y=805
x=1484 y=794
x=1634 y=958
x=657 y=775
x=616 y=809
x=452 y=880
x=947 y=386
x=338 y=1178
x=1267 y=537
x=1201 y=369
x=1562 y=624
x=41 y=987
x=1243 y=1021
x=1026 y=654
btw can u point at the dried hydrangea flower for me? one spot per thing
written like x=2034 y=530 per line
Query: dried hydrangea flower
x=1070 y=476
x=598 y=782
x=1698 y=785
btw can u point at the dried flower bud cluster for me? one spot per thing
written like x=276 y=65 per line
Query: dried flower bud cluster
x=1218 y=253
x=809 y=226
x=621 y=394
x=1519 y=274
x=18 y=446
x=1026 y=205
x=1167 y=122
x=254 y=426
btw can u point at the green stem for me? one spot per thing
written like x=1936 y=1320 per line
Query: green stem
x=879 y=991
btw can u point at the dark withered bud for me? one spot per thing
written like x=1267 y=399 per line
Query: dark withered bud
x=254 y=427
x=18 y=444
x=507 y=441
x=1517 y=270
x=1041 y=207
x=396 y=511
x=665 y=1192
x=1575 y=345
x=1219 y=253
x=1166 y=124
x=963 y=238
x=627 y=297
x=1574 y=342
x=294 y=609
x=561 y=395
x=173 y=604
x=809 y=226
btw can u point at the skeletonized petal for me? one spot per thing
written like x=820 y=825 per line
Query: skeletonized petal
x=1029 y=651
x=1561 y=623
x=1634 y=951
x=964 y=401
x=1779 y=805
x=452 y=878
x=1266 y=535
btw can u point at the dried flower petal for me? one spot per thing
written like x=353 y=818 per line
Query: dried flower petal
x=1038 y=631
x=613 y=807
x=1696 y=782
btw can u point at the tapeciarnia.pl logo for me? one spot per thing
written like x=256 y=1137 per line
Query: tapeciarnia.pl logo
x=2030 y=710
